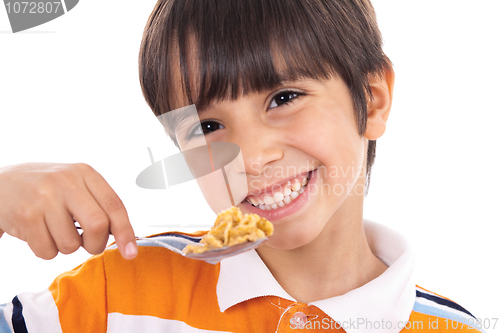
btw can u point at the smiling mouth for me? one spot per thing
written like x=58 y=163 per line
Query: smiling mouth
x=280 y=197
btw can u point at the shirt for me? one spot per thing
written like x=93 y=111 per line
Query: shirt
x=162 y=291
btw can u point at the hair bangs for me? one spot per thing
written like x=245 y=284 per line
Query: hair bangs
x=225 y=49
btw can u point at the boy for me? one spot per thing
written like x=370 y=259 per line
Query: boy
x=300 y=86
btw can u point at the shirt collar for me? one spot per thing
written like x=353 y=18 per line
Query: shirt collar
x=389 y=297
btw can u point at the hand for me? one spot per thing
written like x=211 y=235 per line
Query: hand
x=40 y=202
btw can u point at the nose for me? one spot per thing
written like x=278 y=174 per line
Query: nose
x=259 y=147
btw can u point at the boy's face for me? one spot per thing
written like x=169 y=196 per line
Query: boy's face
x=304 y=129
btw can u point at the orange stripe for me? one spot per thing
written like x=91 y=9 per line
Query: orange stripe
x=166 y=285
x=80 y=297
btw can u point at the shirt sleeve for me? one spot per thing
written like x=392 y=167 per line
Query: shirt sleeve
x=74 y=302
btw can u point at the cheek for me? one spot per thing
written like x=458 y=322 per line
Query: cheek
x=328 y=132
x=221 y=195
x=213 y=188
x=329 y=137
x=312 y=132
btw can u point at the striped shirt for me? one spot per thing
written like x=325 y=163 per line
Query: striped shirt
x=162 y=291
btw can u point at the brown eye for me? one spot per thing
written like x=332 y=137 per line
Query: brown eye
x=210 y=126
x=283 y=98
x=204 y=128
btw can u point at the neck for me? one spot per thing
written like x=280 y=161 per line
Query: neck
x=334 y=263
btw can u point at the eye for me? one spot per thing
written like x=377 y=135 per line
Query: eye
x=204 y=128
x=283 y=97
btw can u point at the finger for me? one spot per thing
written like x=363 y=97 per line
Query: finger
x=115 y=211
x=63 y=230
x=40 y=241
x=92 y=219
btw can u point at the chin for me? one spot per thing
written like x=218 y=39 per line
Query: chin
x=290 y=241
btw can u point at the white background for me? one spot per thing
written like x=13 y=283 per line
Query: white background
x=69 y=92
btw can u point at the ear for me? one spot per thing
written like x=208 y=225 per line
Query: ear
x=380 y=106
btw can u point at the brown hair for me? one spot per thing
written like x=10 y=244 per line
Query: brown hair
x=237 y=43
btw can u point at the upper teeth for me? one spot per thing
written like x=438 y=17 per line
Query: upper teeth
x=279 y=198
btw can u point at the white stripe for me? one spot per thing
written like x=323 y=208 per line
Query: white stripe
x=430 y=303
x=7 y=313
x=120 y=323
x=63 y=4
x=40 y=312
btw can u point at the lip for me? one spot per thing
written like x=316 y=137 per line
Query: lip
x=272 y=188
x=275 y=215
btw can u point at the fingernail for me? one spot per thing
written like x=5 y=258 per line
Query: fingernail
x=131 y=250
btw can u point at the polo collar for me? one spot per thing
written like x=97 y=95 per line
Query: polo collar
x=389 y=297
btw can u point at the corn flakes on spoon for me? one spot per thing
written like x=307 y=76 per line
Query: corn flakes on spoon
x=233 y=233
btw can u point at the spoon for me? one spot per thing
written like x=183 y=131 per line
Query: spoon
x=212 y=256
